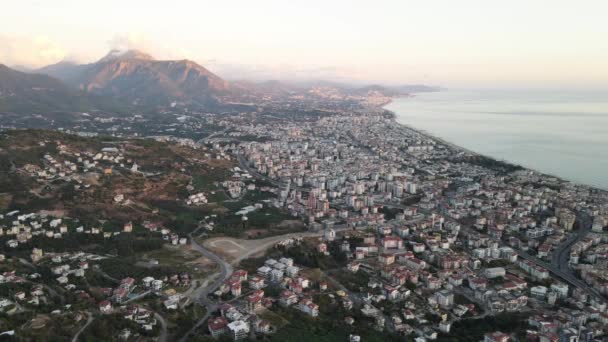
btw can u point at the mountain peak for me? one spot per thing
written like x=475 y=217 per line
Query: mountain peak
x=115 y=54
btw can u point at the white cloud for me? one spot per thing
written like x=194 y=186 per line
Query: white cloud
x=143 y=42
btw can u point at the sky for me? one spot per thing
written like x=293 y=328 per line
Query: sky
x=446 y=43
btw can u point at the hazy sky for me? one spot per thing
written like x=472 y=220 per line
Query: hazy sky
x=464 y=42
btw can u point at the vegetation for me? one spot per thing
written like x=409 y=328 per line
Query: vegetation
x=107 y=328
x=325 y=328
x=350 y=280
x=472 y=330
x=492 y=164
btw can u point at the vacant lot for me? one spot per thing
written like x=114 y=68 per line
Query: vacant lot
x=169 y=255
x=234 y=250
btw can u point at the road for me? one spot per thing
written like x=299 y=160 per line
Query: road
x=210 y=138
x=90 y=320
x=559 y=262
x=566 y=276
x=139 y=296
x=163 y=327
x=561 y=255
x=99 y=271
x=202 y=294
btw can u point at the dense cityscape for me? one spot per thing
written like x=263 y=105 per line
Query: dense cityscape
x=309 y=216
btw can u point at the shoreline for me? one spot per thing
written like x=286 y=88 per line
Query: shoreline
x=474 y=153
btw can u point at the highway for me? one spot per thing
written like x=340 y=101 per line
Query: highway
x=561 y=255
x=559 y=261
x=202 y=294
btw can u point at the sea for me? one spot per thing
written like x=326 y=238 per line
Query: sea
x=563 y=133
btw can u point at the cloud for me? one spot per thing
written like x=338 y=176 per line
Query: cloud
x=130 y=41
x=142 y=42
x=34 y=51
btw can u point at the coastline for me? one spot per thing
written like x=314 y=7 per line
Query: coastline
x=474 y=153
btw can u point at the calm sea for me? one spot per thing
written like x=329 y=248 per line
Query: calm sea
x=563 y=133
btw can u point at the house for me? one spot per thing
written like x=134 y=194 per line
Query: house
x=127 y=283
x=444 y=298
x=478 y=283
x=286 y=261
x=287 y=298
x=171 y=304
x=496 y=337
x=256 y=282
x=276 y=275
x=262 y=326
x=415 y=264
x=494 y=272
x=295 y=287
x=323 y=286
x=235 y=289
x=292 y=271
x=307 y=306
x=147 y=281
x=353 y=266
x=254 y=300
x=217 y=326
x=391 y=293
x=238 y=330
x=157 y=284
x=264 y=271
x=105 y=307
x=304 y=282
x=241 y=275
x=392 y=242
x=120 y=294
x=386 y=259
x=538 y=291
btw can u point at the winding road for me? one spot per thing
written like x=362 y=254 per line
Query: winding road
x=559 y=262
x=90 y=320
x=163 y=327
x=202 y=294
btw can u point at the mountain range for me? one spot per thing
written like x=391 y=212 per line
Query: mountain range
x=22 y=92
x=138 y=78
x=134 y=79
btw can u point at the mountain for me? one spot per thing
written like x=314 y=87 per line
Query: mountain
x=416 y=88
x=22 y=92
x=140 y=79
x=66 y=71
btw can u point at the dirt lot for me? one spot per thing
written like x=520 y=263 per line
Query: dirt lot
x=234 y=250
x=179 y=255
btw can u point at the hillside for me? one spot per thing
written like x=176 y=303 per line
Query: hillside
x=138 y=78
x=22 y=92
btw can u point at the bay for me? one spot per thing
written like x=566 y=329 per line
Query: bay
x=559 y=132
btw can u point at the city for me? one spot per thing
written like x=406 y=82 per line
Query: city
x=378 y=227
x=318 y=171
